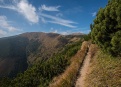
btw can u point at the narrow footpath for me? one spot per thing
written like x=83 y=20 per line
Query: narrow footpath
x=83 y=71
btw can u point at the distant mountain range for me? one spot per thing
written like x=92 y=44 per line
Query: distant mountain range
x=19 y=52
x=77 y=34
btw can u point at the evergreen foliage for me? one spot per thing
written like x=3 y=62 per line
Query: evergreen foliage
x=106 y=30
x=40 y=74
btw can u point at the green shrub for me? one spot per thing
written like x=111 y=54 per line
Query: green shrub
x=42 y=73
x=106 y=28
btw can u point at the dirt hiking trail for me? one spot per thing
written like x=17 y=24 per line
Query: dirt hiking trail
x=85 y=67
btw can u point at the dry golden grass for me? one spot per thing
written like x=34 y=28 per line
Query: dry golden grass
x=86 y=65
x=105 y=71
x=68 y=78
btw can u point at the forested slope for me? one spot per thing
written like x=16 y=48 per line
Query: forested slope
x=19 y=52
x=42 y=73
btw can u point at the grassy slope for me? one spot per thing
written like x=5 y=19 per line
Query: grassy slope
x=40 y=74
x=105 y=71
x=20 y=51
x=67 y=78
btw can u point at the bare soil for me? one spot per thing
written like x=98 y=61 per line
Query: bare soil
x=83 y=71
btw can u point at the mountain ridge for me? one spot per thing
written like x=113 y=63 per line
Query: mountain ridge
x=21 y=51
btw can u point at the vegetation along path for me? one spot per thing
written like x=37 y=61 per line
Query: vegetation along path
x=85 y=67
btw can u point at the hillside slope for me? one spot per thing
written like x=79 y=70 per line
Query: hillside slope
x=19 y=52
x=68 y=77
x=42 y=73
x=101 y=70
x=104 y=71
x=91 y=68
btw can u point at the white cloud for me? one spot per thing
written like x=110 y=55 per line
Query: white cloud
x=49 y=8
x=5 y=24
x=8 y=7
x=59 y=14
x=94 y=14
x=24 y=8
x=2 y=33
x=43 y=20
x=28 y=11
x=55 y=31
x=64 y=33
x=60 y=21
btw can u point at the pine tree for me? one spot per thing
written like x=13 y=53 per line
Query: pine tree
x=106 y=28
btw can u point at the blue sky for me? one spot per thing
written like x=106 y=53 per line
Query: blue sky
x=57 y=16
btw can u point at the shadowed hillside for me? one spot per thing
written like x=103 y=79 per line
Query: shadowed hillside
x=19 y=52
